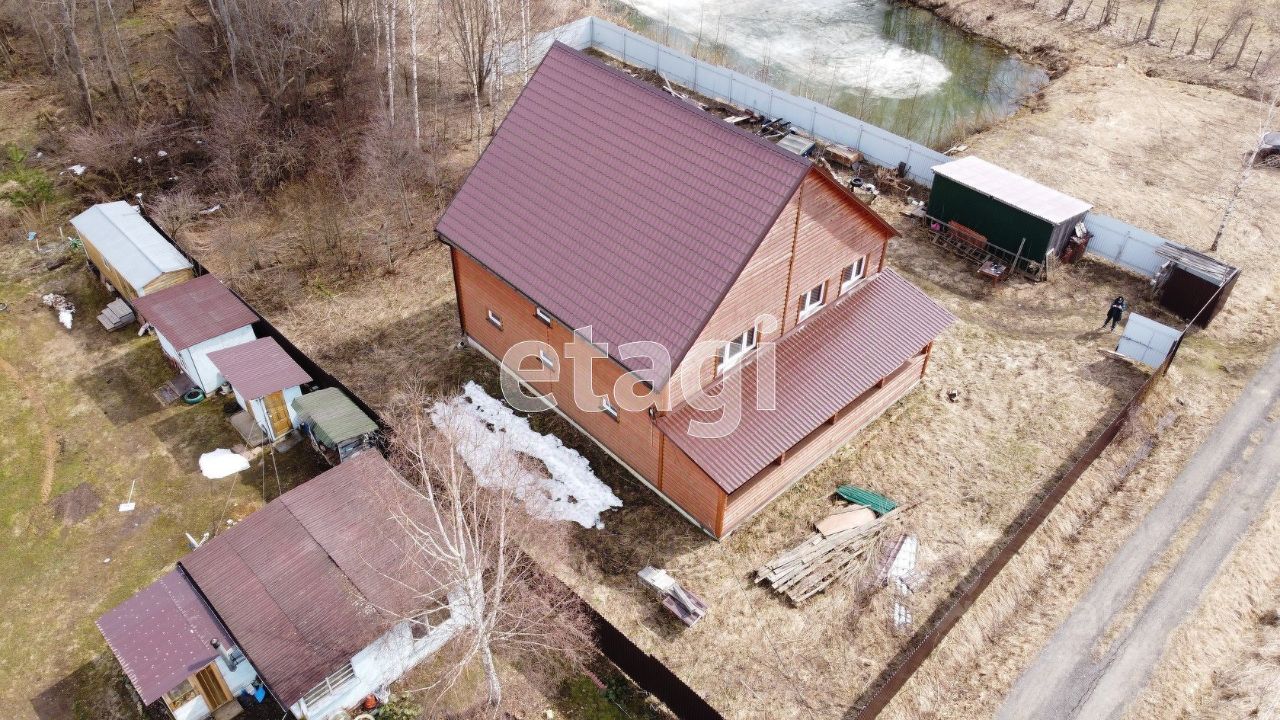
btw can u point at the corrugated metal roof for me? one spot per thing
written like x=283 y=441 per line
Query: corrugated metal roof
x=1197 y=263
x=334 y=418
x=822 y=365
x=1013 y=189
x=129 y=242
x=316 y=575
x=600 y=189
x=162 y=634
x=257 y=369
x=197 y=310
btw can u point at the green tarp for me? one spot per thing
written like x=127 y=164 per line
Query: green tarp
x=333 y=418
x=879 y=503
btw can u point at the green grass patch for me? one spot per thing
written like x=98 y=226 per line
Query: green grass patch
x=21 y=184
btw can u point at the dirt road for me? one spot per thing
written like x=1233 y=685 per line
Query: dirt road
x=1073 y=677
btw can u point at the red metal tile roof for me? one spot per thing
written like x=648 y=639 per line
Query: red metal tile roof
x=195 y=311
x=315 y=576
x=162 y=634
x=822 y=365
x=612 y=204
x=257 y=369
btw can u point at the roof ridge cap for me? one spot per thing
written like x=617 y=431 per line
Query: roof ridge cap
x=702 y=115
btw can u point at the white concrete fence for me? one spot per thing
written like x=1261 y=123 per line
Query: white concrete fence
x=1130 y=247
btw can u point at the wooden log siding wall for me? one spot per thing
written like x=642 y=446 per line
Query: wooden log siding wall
x=812 y=450
x=633 y=438
x=818 y=234
x=122 y=286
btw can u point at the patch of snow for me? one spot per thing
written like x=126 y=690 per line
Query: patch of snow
x=211 y=210
x=162 y=153
x=487 y=432
x=77 y=169
x=221 y=463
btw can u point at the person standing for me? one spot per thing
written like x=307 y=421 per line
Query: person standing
x=1115 y=313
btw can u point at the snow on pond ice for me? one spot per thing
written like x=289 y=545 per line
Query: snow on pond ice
x=831 y=40
x=487 y=431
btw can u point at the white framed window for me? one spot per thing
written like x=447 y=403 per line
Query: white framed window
x=545 y=358
x=542 y=315
x=330 y=685
x=853 y=273
x=494 y=319
x=811 y=302
x=607 y=407
x=736 y=349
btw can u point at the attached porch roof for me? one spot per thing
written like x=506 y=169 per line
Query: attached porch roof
x=822 y=365
x=257 y=369
x=162 y=634
x=334 y=417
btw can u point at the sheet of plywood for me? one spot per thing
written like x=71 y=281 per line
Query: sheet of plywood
x=845 y=520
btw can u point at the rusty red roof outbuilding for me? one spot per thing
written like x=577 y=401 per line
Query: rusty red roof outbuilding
x=612 y=204
x=822 y=365
x=195 y=311
x=257 y=369
x=162 y=634
x=315 y=576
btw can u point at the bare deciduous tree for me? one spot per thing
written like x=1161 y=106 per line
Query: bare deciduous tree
x=277 y=43
x=472 y=542
x=1155 y=15
x=1234 y=18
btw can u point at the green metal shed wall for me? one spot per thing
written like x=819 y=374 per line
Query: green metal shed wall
x=1004 y=226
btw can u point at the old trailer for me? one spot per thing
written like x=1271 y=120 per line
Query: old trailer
x=1019 y=216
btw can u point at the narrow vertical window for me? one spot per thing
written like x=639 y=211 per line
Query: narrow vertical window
x=812 y=301
x=736 y=349
x=546 y=359
x=852 y=274
x=495 y=320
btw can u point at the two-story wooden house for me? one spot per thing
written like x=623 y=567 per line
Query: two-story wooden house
x=608 y=218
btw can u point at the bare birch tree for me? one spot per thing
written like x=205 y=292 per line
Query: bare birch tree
x=73 y=55
x=1268 y=124
x=472 y=544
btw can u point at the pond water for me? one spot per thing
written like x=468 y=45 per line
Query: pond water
x=894 y=66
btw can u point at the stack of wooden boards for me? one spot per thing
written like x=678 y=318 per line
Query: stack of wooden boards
x=116 y=315
x=846 y=546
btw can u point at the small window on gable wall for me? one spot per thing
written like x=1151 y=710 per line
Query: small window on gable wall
x=852 y=274
x=545 y=358
x=495 y=320
x=542 y=315
x=736 y=349
x=811 y=302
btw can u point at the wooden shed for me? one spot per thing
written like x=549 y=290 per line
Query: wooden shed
x=1190 y=281
x=129 y=253
x=266 y=381
x=194 y=319
x=336 y=426
x=1017 y=215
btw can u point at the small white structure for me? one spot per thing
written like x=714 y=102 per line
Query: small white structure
x=1146 y=340
x=266 y=381
x=195 y=319
x=132 y=256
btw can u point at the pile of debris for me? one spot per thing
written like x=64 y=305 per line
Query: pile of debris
x=66 y=309
x=847 y=545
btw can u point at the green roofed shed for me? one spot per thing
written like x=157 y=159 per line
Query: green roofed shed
x=334 y=421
